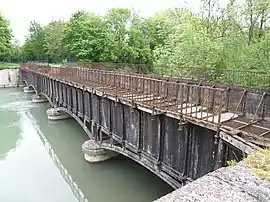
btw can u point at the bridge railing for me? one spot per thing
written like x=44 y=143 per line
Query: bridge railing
x=164 y=95
x=242 y=77
x=247 y=78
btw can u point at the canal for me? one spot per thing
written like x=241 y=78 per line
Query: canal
x=42 y=161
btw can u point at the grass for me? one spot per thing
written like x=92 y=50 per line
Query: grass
x=232 y=163
x=259 y=163
x=7 y=65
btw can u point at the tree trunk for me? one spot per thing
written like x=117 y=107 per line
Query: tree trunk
x=261 y=25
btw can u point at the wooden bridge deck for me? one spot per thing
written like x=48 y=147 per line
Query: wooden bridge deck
x=218 y=109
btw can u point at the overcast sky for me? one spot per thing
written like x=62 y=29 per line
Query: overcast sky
x=21 y=12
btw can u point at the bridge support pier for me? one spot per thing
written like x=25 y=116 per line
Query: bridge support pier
x=93 y=153
x=21 y=85
x=55 y=114
x=27 y=89
x=39 y=98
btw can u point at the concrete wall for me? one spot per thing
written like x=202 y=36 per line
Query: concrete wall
x=9 y=77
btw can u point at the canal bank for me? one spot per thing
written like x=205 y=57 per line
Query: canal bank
x=42 y=160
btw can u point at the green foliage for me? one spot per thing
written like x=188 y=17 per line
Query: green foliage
x=140 y=42
x=235 y=37
x=118 y=22
x=54 y=45
x=16 y=50
x=34 y=47
x=232 y=163
x=120 y=36
x=5 y=38
x=259 y=163
x=85 y=36
x=7 y=65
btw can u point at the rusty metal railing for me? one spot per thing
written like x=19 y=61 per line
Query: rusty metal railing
x=163 y=95
x=247 y=78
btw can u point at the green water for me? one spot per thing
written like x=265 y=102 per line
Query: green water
x=41 y=161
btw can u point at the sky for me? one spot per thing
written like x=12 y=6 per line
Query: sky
x=21 y=12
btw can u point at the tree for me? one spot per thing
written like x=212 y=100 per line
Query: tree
x=256 y=13
x=118 y=21
x=140 y=41
x=16 y=51
x=54 y=45
x=85 y=36
x=209 y=12
x=5 y=38
x=34 y=47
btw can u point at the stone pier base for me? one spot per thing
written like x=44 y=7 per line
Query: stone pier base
x=27 y=89
x=54 y=114
x=93 y=153
x=39 y=98
x=21 y=85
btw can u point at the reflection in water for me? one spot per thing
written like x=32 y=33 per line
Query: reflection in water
x=116 y=180
x=9 y=140
x=11 y=103
x=74 y=187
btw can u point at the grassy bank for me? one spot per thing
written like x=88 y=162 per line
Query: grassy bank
x=7 y=65
x=259 y=163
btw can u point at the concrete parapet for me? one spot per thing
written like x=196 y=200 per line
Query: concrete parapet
x=234 y=183
x=55 y=114
x=39 y=98
x=93 y=153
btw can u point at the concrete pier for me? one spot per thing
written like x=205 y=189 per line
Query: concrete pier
x=93 y=153
x=28 y=89
x=55 y=114
x=21 y=85
x=39 y=98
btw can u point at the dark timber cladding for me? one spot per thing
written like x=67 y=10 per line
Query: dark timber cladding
x=170 y=127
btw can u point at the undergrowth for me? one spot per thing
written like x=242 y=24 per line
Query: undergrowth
x=259 y=162
x=7 y=65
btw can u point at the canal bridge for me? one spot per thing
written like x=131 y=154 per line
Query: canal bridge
x=177 y=128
